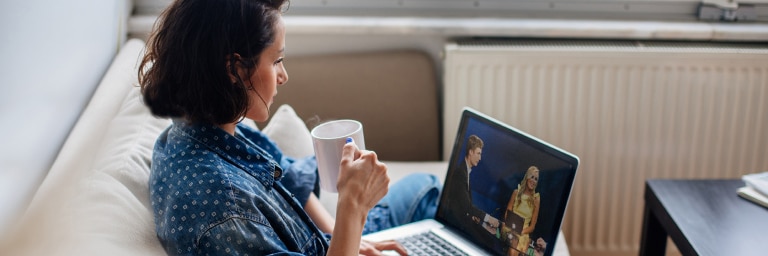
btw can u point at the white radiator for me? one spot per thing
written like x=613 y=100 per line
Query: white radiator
x=630 y=110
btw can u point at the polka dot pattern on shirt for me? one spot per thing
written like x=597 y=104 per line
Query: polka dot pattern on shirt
x=214 y=193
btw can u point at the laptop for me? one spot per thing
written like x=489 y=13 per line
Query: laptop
x=480 y=227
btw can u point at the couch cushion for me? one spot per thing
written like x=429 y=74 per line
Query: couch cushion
x=112 y=206
x=290 y=133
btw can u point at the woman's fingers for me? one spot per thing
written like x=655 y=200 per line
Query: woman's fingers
x=349 y=153
x=390 y=245
x=376 y=180
x=367 y=249
x=376 y=248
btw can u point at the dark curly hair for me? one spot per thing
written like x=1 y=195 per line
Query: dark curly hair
x=184 y=69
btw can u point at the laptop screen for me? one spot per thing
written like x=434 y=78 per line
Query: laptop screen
x=505 y=190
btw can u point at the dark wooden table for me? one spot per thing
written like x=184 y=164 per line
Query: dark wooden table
x=703 y=217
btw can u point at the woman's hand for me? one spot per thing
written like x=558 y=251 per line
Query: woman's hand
x=375 y=248
x=363 y=180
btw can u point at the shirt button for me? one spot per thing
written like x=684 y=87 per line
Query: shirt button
x=277 y=174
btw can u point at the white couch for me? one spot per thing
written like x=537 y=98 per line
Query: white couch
x=94 y=200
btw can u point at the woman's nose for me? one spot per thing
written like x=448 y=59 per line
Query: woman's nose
x=282 y=76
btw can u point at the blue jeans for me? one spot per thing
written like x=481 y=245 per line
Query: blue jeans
x=411 y=199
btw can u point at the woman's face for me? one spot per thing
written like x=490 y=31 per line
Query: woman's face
x=269 y=74
x=533 y=180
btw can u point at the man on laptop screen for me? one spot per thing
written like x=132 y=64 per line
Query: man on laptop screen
x=460 y=208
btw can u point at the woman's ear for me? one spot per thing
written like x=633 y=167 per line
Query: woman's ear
x=234 y=68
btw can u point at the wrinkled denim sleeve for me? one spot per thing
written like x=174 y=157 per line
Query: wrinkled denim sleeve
x=300 y=177
x=238 y=236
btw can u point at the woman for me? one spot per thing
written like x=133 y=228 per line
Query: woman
x=525 y=203
x=219 y=187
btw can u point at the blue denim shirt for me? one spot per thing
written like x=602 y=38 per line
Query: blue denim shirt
x=218 y=194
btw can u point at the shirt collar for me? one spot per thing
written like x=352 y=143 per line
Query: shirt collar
x=238 y=150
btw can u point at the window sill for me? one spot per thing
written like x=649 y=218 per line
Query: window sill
x=503 y=27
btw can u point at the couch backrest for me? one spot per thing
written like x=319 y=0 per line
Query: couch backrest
x=394 y=94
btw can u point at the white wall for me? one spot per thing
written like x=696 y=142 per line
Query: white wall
x=54 y=53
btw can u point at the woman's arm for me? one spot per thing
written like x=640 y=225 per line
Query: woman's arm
x=347 y=234
x=535 y=217
x=511 y=204
x=363 y=181
x=319 y=214
x=325 y=222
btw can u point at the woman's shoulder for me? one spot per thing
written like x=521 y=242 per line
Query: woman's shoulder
x=251 y=133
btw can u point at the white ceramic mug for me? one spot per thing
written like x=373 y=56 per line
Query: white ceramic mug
x=328 y=140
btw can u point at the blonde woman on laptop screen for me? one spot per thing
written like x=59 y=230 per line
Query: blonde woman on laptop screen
x=525 y=203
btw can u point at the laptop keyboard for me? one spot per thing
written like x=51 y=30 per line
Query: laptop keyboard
x=428 y=243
